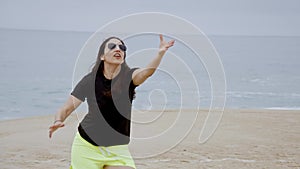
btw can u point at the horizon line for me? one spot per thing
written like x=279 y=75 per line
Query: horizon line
x=87 y=31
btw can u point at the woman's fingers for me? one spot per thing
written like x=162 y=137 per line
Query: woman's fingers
x=161 y=37
x=164 y=44
x=54 y=127
x=50 y=133
x=171 y=43
x=51 y=130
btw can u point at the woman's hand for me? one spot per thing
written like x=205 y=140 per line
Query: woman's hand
x=141 y=74
x=54 y=127
x=71 y=104
x=164 y=46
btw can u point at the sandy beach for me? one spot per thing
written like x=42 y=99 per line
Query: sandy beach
x=244 y=139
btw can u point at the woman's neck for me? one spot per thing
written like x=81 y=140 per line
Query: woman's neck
x=110 y=71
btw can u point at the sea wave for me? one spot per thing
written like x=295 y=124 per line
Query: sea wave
x=283 y=108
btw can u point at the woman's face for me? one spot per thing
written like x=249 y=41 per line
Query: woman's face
x=114 y=52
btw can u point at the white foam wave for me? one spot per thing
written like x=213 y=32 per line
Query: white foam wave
x=283 y=108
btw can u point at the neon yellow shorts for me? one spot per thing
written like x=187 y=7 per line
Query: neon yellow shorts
x=86 y=155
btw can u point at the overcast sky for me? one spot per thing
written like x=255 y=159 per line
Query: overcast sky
x=247 y=17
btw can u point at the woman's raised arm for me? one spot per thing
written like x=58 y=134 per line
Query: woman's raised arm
x=141 y=74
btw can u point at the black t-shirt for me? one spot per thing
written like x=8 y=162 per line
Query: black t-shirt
x=107 y=122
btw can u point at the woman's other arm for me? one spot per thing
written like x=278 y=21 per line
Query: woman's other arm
x=71 y=104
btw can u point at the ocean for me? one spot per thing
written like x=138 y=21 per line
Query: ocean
x=37 y=72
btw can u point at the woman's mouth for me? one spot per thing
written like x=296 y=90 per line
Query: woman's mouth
x=117 y=55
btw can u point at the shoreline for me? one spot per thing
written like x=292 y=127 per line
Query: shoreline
x=274 y=109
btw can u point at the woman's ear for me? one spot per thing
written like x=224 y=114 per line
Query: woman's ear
x=102 y=57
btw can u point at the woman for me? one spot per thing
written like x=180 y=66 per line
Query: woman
x=104 y=133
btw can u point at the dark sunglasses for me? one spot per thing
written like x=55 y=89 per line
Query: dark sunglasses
x=111 y=46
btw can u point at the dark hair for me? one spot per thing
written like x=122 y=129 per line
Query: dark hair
x=99 y=67
x=99 y=63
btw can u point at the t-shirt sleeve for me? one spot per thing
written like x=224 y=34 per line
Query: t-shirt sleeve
x=81 y=89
